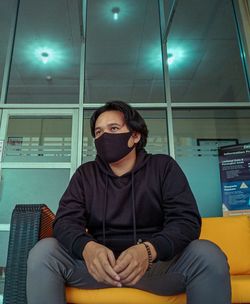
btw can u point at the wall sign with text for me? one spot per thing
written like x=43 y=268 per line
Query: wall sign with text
x=235 y=176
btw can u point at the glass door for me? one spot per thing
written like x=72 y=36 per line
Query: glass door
x=38 y=150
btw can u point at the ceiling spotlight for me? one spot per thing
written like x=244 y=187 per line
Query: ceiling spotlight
x=44 y=57
x=44 y=54
x=115 y=11
x=171 y=58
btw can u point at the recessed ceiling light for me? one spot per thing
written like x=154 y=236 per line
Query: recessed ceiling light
x=175 y=56
x=44 y=55
x=171 y=58
x=115 y=11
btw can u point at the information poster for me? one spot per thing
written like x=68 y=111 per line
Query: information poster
x=234 y=164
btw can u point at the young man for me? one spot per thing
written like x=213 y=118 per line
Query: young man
x=128 y=218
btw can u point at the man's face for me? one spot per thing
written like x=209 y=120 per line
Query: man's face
x=110 y=122
x=113 y=122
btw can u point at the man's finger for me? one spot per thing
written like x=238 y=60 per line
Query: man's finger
x=95 y=276
x=106 y=266
x=131 y=276
x=122 y=263
x=132 y=267
x=127 y=272
x=105 y=278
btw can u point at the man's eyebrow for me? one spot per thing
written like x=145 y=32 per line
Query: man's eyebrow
x=110 y=125
x=114 y=123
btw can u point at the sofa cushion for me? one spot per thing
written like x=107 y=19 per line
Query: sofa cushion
x=232 y=235
x=240 y=294
x=119 y=296
x=240 y=288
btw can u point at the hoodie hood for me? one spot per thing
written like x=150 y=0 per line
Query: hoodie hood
x=142 y=158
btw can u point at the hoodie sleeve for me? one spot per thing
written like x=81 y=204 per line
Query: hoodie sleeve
x=69 y=227
x=182 y=222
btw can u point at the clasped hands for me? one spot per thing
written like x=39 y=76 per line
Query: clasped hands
x=126 y=270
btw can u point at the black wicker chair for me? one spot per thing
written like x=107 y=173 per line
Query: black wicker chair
x=29 y=224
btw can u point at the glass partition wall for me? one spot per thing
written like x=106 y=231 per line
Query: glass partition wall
x=184 y=65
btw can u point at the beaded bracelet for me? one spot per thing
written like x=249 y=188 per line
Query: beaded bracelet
x=150 y=258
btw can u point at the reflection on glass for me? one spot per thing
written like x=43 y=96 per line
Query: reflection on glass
x=123 y=51
x=157 y=126
x=198 y=134
x=203 y=54
x=168 y=7
x=23 y=186
x=6 y=10
x=46 y=58
x=157 y=139
x=38 y=140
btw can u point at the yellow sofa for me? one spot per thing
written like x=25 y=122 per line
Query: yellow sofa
x=30 y=223
x=232 y=234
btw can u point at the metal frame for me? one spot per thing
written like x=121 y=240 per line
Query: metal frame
x=211 y=105
x=167 y=26
x=39 y=106
x=157 y=105
x=164 y=29
x=82 y=83
x=242 y=26
x=9 y=52
x=72 y=165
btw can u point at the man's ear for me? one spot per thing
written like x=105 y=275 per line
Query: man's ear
x=136 y=136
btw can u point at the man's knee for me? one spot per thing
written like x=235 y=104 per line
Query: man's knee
x=210 y=256
x=42 y=253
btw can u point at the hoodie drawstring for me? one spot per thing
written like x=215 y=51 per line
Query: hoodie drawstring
x=133 y=209
x=105 y=210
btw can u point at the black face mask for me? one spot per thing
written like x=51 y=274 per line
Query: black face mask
x=113 y=147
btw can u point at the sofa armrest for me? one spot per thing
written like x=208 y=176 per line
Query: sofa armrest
x=29 y=223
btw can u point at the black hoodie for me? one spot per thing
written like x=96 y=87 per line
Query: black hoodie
x=151 y=203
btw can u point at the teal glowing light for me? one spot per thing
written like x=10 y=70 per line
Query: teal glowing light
x=171 y=58
x=115 y=11
x=153 y=57
x=45 y=55
x=174 y=56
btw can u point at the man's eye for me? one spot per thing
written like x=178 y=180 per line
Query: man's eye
x=114 y=128
x=97 y=133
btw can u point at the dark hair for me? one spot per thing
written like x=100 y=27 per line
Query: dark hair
x=133 y=120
